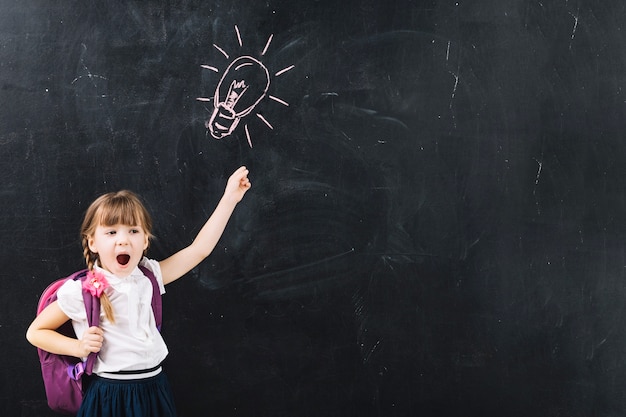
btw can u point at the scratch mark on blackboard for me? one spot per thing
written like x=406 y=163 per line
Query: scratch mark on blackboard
x=370 y=352
x=575 y=16
x=89 y=75
x=454 y=88
x=539 y=168
x=592 y=352
x=301 y=267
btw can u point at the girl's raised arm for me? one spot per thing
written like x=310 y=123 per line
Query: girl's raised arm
x=186 y=259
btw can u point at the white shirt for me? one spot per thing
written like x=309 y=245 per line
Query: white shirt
x=133 y=341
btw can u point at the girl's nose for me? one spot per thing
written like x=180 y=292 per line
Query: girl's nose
x=122 y=238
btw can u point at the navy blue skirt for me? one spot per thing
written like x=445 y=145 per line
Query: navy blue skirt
x=148 y=397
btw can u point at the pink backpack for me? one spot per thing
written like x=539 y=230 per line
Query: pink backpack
x=62 y=375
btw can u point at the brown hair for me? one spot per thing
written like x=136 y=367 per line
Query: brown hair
x=122 y=207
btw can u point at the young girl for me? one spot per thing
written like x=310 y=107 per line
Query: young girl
x=116 y=231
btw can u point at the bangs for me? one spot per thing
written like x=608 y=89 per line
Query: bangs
x=123 y=210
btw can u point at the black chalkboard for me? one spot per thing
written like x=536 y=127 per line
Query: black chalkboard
x=437 y=220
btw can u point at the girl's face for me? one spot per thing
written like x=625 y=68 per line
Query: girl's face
x=119 y=247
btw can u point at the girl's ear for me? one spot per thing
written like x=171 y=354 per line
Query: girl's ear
x=90 y=243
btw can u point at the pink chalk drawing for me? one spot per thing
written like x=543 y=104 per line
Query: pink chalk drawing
x=243 y=85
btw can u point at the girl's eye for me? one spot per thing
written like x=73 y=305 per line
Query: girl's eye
x=133 y=231
x=110 y=232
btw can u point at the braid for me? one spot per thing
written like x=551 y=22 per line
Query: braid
x=107 y=307
x=90 y=259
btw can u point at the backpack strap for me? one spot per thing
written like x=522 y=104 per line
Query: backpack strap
x=92 y=308
x=157 y=303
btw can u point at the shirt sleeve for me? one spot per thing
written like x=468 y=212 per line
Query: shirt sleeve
x=155 y=267
x=70 y=300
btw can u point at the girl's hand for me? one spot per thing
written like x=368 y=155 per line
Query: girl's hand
x=90 y=342
x=237 y=185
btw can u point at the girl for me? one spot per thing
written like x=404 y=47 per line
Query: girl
x=116 y=232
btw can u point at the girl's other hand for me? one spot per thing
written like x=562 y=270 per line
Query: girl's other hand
x=91 y=341
x=237 y=185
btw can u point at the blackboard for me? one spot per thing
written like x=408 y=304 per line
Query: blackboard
x=436 y=224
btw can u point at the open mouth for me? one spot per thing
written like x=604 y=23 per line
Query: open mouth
x=123 y=259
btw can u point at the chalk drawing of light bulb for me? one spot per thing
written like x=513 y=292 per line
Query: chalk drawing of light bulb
x=243 y=85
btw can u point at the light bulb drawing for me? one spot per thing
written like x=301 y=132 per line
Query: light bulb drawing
x=243 y=85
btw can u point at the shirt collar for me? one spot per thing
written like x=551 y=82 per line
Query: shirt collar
x=114 y=279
